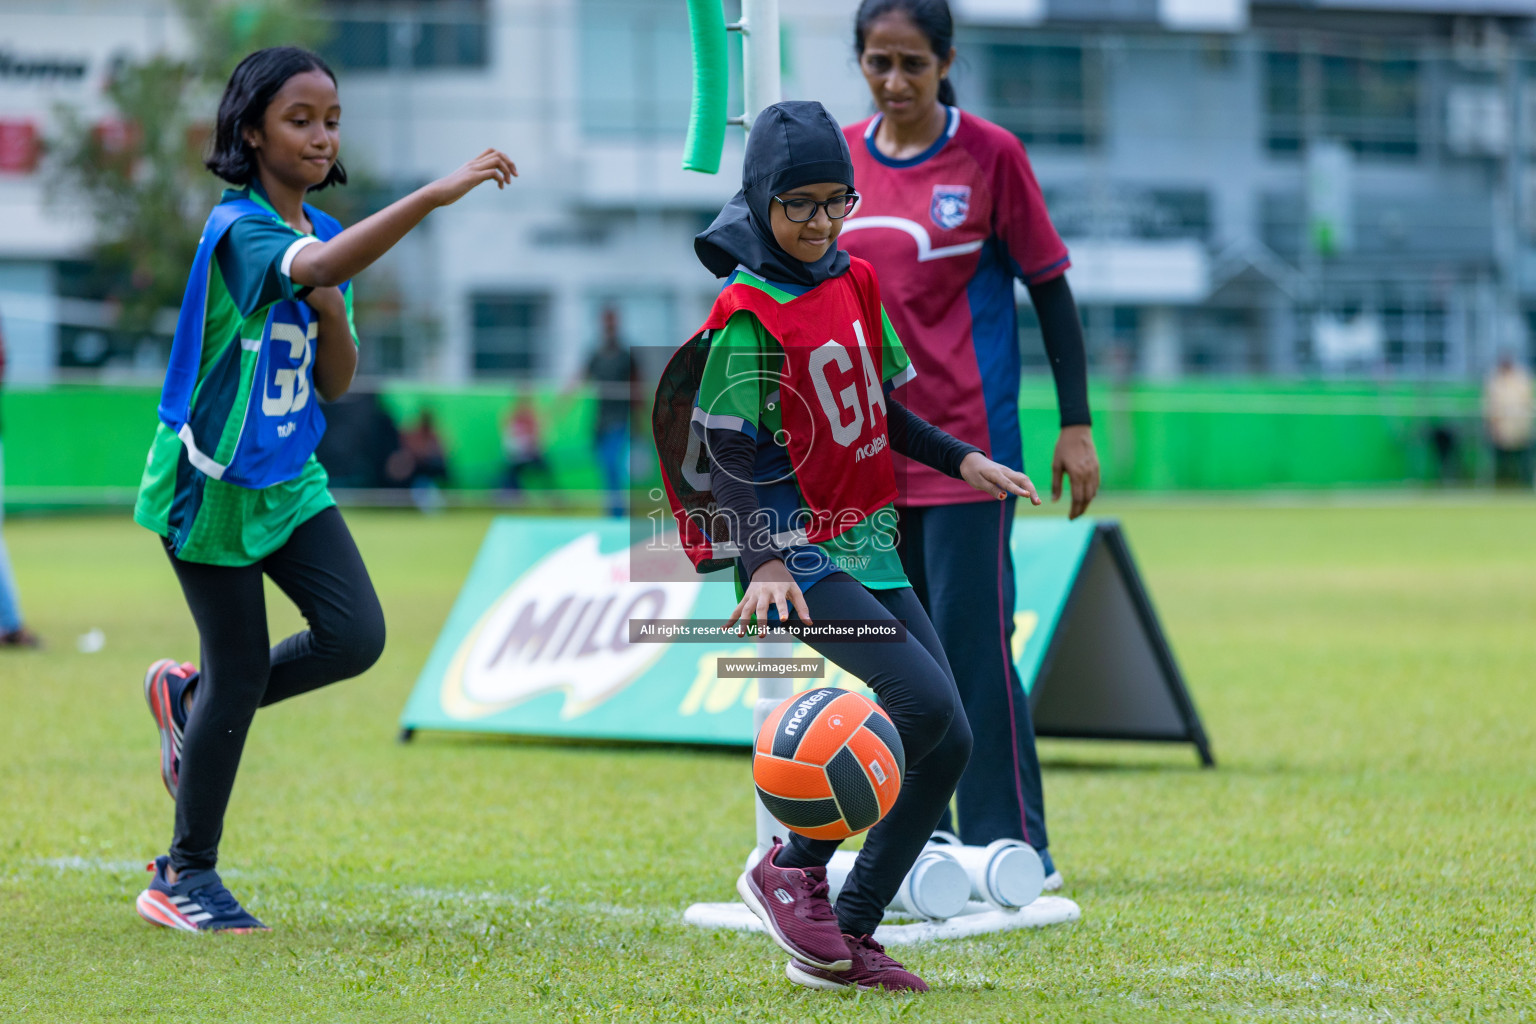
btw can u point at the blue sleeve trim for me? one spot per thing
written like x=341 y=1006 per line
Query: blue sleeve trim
x=1043 y=273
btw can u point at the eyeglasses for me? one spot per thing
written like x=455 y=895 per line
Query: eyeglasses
x=801 y=210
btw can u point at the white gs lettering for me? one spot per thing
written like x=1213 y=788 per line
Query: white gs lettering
x=847 y=399
x=292 y=385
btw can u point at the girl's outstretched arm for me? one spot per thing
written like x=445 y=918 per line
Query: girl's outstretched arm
x=327 y=264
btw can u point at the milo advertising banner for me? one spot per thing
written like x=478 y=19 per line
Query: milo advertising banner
x=547 y=638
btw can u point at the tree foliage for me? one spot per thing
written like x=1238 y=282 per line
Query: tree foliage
x=138 y=172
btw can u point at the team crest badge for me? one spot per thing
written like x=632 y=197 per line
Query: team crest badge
x=950 y=205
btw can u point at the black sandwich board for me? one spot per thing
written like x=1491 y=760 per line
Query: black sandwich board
x=1106 y=671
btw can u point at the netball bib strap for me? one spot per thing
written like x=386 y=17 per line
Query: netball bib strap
x=187 y=347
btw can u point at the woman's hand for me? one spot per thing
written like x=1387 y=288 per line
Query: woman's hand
x=772 y=586
x=996 y=479
x=492 y=165
x=1077 y=458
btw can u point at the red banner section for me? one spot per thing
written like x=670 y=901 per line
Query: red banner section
x=19 y=147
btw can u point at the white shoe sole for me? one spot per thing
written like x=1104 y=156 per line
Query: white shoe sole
x=745 y=890
x=804 y=980
x=1053 y=882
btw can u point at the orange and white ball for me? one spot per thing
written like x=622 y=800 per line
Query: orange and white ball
x=828 y=763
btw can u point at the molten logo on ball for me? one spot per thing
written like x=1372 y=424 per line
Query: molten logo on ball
x=802 y=709
x=828 y=763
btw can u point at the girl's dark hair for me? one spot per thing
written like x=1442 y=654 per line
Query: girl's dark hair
x=932 y=19
x=244 y=103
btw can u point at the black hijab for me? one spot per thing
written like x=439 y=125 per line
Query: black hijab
x=791 y=144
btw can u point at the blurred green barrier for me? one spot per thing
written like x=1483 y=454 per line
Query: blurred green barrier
x=1236 y=435
x=86 y=444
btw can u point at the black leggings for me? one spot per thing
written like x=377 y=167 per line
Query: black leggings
x=914 y=684
x=321 y=571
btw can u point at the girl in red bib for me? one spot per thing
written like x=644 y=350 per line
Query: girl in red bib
x=775 y=429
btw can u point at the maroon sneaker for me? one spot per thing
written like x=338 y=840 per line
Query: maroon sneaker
x=793 y=904
x=872 y=968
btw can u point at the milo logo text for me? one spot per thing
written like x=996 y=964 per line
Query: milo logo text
x=561 y=627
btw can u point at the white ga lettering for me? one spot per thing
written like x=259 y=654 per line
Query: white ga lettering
x=846 y=401
x=872 y=389
x=286 y=429
x=292 y=384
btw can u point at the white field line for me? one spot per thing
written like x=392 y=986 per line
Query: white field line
x=1259 y=976
x=1275 y=979
x=93 y=864
x=437 y=898
x=102 y=865
x=429 y=896
x=426 y=897
x=1272 y=1012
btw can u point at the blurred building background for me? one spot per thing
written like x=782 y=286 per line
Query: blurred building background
x=1266 y=187
x=1281 y=189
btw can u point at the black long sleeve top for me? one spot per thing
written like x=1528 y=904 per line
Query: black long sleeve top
x=1061 y=332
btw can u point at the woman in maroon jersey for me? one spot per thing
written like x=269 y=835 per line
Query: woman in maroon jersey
x=950 y=216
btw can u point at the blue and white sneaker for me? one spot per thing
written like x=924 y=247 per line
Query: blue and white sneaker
x=165 y=686
x=196 y=902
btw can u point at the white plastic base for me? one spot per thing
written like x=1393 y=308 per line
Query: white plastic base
x=977 y=919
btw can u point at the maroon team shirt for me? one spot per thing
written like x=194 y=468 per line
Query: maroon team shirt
x=948 y=231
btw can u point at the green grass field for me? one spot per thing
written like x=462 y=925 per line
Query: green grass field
x=1365 y=852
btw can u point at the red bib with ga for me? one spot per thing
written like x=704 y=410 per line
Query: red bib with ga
x=831 y=401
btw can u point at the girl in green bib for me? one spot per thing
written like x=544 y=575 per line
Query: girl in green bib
x=232 y=486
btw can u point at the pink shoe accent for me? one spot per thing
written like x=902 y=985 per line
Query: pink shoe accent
x=156 y=909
